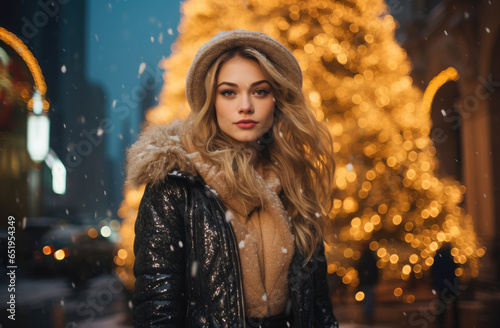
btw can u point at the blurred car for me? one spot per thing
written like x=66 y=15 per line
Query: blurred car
x=73 y=250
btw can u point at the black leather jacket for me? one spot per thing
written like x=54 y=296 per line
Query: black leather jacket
x=187 y=264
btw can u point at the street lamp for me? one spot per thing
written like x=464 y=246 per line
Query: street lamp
x=38 y=130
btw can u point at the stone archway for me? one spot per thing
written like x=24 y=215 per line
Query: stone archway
x=446 y=129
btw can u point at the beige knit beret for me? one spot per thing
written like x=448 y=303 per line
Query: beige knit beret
x=283 y=60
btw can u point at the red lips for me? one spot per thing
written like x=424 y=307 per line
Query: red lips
x=246 y=124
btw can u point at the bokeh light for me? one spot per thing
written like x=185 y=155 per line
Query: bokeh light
x=357 y=80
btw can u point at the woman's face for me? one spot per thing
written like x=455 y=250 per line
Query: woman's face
x=244 y=102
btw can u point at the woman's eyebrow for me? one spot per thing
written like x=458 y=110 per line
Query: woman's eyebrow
x=236 y=85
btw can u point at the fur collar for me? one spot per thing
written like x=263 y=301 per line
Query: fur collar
x=157 y=151
x=263 y=234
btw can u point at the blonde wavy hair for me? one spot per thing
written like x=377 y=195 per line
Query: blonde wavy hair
x=298 y=147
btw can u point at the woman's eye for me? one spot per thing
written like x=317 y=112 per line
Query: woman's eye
x=261 y=92
x=227 y=93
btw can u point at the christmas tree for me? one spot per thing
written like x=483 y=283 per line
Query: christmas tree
x=356 y=79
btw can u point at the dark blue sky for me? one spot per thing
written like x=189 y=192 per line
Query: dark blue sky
x=122 y=35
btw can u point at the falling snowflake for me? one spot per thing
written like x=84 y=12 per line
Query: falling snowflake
x=194 y=268
x=229 y=216
x=284 y=250
x=63 y=69
x=142 y=67
x=241 y=244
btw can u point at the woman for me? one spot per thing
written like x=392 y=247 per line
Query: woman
x=228 y=232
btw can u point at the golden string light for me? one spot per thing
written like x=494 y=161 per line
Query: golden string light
x=357 y=81
x=449 y=74
x=15 y=43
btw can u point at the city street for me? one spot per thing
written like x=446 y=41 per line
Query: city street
x=58 y=303
x=103 y=302
x=478 y=307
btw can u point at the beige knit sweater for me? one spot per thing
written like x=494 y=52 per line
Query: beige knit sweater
x=264 y=237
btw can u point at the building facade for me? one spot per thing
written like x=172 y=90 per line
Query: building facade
x=463 y=34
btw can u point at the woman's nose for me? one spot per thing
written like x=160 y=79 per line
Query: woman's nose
x=246 y=105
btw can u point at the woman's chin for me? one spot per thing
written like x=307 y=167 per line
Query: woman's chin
x=247 y=139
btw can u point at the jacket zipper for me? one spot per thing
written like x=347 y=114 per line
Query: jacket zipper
x=241 y=304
